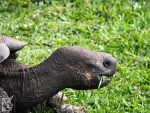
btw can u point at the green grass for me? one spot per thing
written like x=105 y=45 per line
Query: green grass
x=120 y=27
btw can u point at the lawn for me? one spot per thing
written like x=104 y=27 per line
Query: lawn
x=120 y=27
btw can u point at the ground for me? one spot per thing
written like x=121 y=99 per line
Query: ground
x=121 y=28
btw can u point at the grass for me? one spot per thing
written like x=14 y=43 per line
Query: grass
x=121 y=28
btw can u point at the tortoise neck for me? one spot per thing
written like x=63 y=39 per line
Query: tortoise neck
x=41 y=81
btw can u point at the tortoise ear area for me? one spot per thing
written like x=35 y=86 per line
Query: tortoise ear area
x=4 y=52
x=13 y=44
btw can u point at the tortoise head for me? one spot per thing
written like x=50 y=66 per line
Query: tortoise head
x=85 y=69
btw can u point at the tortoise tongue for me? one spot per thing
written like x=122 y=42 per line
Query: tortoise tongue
x=13 y=45
x=4 y=52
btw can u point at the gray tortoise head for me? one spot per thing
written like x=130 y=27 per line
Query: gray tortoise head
x=84 y=67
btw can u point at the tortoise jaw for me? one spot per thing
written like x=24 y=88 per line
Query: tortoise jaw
x=103 y=81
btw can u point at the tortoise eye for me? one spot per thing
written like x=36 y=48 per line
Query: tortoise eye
x=107 y=63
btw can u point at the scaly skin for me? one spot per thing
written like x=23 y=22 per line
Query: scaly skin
x=54 y=102
x=68 y=67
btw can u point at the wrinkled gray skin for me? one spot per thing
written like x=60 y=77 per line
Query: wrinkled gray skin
x=8 y=48
x=68 y=67
x=58 y=101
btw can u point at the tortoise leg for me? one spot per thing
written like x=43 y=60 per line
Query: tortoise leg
x=68 y=108
x=59 y=101
x=59 y=104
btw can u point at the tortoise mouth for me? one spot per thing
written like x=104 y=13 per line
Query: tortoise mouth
x=103 y=81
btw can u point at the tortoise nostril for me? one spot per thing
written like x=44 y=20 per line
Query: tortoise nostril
x=107 y=63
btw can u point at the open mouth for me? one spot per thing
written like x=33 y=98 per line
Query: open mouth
x=103 y=81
